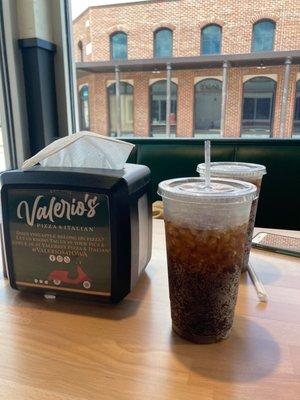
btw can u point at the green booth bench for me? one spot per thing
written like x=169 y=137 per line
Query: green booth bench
x=279 y=204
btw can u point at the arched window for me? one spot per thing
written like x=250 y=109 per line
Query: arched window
x=158 y=102
x=207 y=106
x=84 y=108
x=296 y=128
x=163 y=43
x=263 y=35
x=80 y=50
x=118 y=46
x=211 y=39
x=126 y=100
x=258 y=105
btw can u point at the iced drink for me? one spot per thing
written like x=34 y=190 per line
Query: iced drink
x=248 y=172
x=205 y=236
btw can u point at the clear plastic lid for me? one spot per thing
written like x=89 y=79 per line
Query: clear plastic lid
x=230 y=169
x=193 y=190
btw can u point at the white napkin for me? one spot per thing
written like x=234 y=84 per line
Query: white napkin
x=83 y=149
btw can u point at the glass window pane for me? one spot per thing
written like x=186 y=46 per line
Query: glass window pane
x=248 y=109
x=155 y=111
x=126 y=102
x=163 y=43
x=211 y=40
x=258 y=105
x=296 y=128
x=158 y=100
x=84 y=108
x=118 y=42
x=263 y=108
x=207 y=108
x=263 y=36
x=163 y=110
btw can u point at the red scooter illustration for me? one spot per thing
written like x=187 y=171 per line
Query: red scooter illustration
x=59 y=276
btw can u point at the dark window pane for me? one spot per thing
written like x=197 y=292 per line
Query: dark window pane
x=118 y=43
x=163 y=109
x=163 y=43
x=248 y=110
x=155 y=110
x=297 y=110
x=173 y=106
x=208 y=94
x=263 y=36
x=211 y=40
x=263 y=108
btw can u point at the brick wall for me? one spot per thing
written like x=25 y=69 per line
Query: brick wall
x=185 y=18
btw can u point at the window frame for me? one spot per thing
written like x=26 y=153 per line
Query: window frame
x=163 y=28
x=274 y=34
x=111 y=45
x=201 y=36
x=273 y=106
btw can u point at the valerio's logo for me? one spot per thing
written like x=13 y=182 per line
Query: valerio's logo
x=56 y=209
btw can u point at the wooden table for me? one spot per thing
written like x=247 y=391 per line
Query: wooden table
x=71 y=350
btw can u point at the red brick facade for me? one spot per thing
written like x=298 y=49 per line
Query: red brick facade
x=186 y=18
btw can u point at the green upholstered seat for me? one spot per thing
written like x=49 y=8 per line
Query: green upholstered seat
x=279 y=205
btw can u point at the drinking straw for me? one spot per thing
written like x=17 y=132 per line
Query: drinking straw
x=207 y=163
x=259 y=287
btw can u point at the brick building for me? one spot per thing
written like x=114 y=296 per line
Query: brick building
x=190 y=68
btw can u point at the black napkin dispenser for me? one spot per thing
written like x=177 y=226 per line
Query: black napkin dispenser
x=80 y=232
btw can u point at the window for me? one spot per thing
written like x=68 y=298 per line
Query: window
x=207 y=106
x=163 y=43
x=146 y=42
x=296 y=127
x=258 y=104
x=84 y=108
x=211 y=39
x=263 y=36
x=80 y=49
x=126 y=109
x=158 y=104
x=118 y=46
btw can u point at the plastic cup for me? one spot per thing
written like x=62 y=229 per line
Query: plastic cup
x=248 y=172
x=205 y=235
